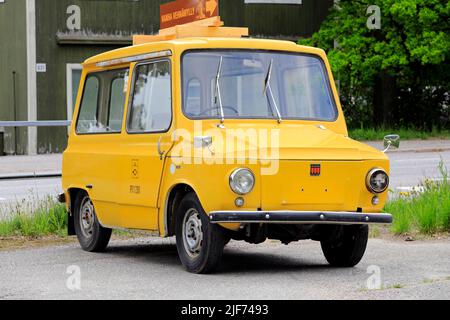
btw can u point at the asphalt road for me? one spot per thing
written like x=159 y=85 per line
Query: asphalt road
x=149 y=269
x=16 y=190
x=410 y=168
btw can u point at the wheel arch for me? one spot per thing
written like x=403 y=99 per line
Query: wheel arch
x=173 y=199
x=73 y=194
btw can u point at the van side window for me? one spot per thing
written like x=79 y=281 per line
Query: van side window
x=151 y=107
x=88 y=111
x=103 y=102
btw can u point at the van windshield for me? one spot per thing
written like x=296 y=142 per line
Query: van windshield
x=249 y=84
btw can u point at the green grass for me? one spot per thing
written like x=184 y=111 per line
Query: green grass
x=36 y=218
x=405 y=134
x=425 y=213
x=374 y=232
x=45 y=218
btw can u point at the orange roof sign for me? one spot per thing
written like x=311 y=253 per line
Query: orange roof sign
x=187 y=11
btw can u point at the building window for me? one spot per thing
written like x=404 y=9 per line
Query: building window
x=152 y=99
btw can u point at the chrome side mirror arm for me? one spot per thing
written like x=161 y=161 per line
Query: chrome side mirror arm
x=387 y=147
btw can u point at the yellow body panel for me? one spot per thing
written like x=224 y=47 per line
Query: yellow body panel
x=131 y=183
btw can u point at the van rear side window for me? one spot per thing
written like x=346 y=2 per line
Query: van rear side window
x=88 y=112
x=103 y=102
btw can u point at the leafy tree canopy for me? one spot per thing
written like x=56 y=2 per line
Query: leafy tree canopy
x=412 y=46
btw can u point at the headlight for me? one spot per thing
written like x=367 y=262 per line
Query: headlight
x=242 y=181
x=377 y=180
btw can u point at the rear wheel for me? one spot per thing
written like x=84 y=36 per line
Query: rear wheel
x=199 y=243
x=345 y=246
x=91 y=235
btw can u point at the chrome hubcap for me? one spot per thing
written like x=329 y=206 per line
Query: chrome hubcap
x=192 y=233
x=87 y=218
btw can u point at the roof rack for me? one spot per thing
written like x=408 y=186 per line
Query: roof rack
x=211 y=27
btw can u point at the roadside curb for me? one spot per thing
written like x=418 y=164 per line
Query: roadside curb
x=413 y=146
x=420 y=150
x=30 y=175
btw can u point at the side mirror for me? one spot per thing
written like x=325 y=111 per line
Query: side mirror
x=391 y=141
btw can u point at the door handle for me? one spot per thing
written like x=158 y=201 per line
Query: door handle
x=160 y=151
x=89 y=186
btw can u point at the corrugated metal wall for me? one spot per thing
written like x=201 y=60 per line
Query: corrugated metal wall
x=122 y=18
x=276 y=20
x=13 y=59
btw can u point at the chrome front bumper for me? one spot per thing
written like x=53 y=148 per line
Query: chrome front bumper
x=299 y=217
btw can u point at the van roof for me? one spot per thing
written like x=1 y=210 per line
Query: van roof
x=202 y=43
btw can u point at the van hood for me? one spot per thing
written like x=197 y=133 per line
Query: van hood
x=290 y=142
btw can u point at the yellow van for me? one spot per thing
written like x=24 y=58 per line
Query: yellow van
x=216 y=138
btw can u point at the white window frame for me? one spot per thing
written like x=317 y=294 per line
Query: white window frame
x=70 y=103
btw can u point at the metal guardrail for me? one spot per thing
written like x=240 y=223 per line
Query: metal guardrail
x=30 y=176
x=27 y=124
x=21 y=124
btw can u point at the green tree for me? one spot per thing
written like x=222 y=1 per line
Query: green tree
x=395 y=75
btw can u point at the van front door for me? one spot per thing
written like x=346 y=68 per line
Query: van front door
x=148 y=139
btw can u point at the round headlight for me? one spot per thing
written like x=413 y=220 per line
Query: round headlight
x=377 y=181
x=242 y=181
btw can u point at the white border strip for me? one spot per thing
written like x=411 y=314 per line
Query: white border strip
x=31 y=76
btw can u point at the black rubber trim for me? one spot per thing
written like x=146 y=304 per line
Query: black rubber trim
x=299 y=217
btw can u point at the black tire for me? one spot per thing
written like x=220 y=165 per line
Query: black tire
x=200 y=252
x=346 y=245
x=91 y=235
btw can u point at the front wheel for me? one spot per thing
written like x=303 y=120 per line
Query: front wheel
x=345 y=246
x=91 y=235
x=199 y=243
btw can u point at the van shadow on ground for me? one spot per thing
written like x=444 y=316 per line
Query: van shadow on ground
x=234 y=260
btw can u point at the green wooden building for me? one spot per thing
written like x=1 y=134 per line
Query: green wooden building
x=43 y=43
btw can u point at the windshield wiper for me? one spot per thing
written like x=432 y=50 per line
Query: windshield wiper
x=268 y=88
x=217 y=94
